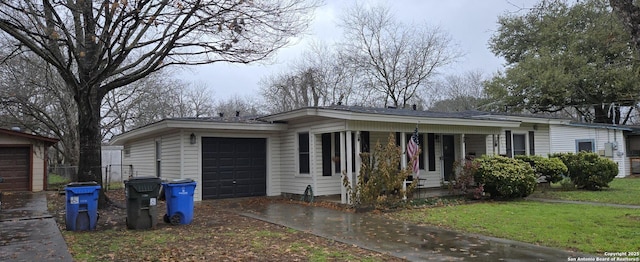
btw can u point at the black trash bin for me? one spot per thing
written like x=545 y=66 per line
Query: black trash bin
x=142 y=199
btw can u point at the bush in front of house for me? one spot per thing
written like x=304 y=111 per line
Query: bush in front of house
x=380 y=184
x=505 y=178
x=464 y=183
x=567 y=185
x=589 y=170
x=551 y=168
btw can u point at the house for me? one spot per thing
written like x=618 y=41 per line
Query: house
x=114 y=171
x=23 y=160
x=316 y=146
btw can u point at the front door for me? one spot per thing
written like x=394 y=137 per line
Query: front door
x=448 y=156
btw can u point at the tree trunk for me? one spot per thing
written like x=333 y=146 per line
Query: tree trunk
x=629 y=13
x=603 y=115
x=89 y=165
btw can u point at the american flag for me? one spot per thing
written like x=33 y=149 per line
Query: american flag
x=413 y=151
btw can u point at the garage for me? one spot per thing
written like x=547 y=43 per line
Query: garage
x=233 y=167
x=14 y=168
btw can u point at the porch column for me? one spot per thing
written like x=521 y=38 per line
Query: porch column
x=343 y=163
x=463 y=145
x=357 y=161
x=403 y=147
x=349 y=166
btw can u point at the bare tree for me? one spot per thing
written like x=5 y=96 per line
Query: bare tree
x=38 y=104
x=241 y=106
x=318 y=78
x=99 y=46
x=152 y=99
x=200 y=98
x=288 y=91
x=459 y=92
x=397 y=58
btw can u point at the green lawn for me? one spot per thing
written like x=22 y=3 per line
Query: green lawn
x=590 y=229
x=620 y=191
x=56 y=179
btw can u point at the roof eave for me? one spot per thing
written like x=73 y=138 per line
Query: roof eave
x=166 y=125
x=358 y=116
x=623 y=128
x=48 y=140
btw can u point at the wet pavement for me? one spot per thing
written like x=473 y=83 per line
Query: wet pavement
x=27 y=231
x=404 y=240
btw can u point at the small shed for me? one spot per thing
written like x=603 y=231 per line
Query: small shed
x=23 y=160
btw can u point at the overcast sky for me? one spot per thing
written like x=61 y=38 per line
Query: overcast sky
x=470 y=23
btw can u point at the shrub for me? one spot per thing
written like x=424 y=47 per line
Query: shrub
x=567 y=185
x=505 y=178
x=589 y=170
x=465 y=183
x=552 y=169
x=380 y=182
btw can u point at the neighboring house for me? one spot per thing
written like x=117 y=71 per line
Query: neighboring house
x=112 y=164
x=23 y=161
x=633 y=150
x=286 y=152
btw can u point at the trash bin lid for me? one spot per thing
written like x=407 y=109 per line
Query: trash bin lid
x=77 y=184
x=180 y=181
x=143 y=178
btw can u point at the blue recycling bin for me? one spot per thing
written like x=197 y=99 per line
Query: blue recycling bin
x=82 y=205
x=179 y=197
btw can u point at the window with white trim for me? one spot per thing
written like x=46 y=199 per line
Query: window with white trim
x=586 y=145
x=158 y=158
x=303 y=153
x=519 y=144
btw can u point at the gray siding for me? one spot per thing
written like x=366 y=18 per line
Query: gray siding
x=141 y=157
x=171 y=157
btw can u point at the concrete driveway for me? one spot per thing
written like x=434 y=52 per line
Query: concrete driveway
x=27 y=231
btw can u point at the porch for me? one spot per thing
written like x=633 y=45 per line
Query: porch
x=439 y=153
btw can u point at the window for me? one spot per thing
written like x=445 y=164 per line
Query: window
x=364 y=142
x=516 y=144
x=584 y=145
x=158 y=157
x=127 y=151
x=303 y=153
x=519 y=144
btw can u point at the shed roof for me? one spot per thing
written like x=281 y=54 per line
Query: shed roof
x=45 y=139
